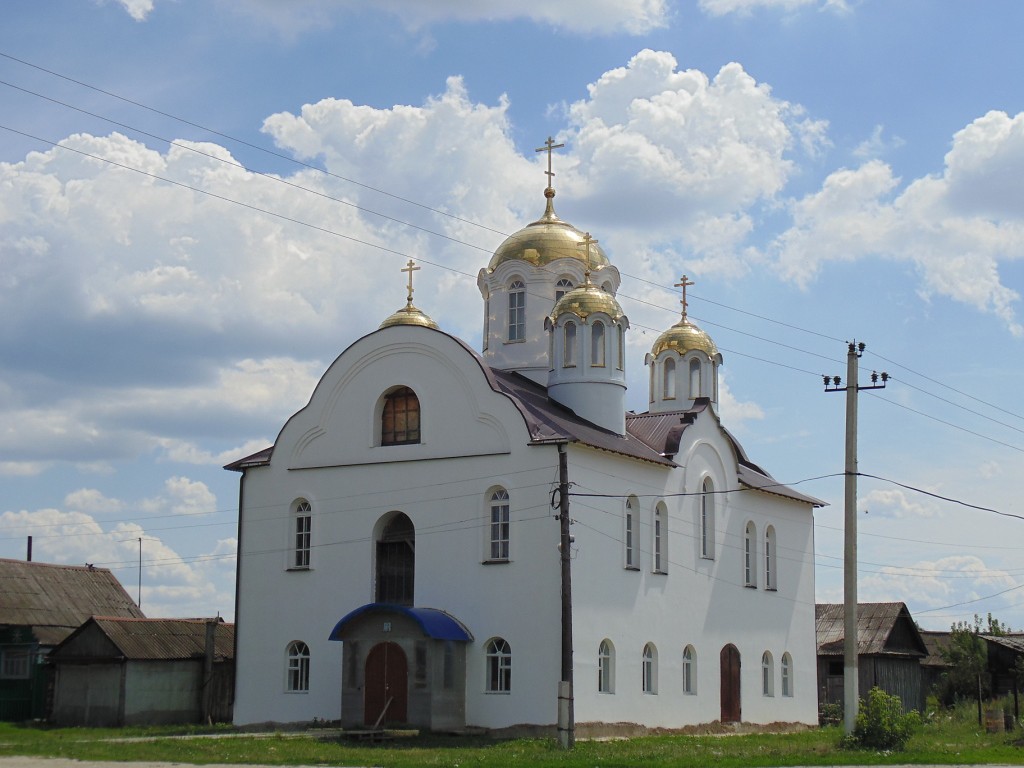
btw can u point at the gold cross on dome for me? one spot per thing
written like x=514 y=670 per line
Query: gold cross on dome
x=587 y=242
x=683 y=283
x=549 y=147
x=410 y=268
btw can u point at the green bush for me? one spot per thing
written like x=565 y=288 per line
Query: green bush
x=881 y=723
x=830 y=713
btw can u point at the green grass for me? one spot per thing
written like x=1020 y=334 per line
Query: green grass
x=945 y=739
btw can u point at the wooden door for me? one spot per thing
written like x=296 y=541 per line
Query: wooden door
x=730 y=661
x=386 y=684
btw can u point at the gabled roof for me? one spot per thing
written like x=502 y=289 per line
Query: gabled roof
x=882 y=629
x=663 y=432
x=55 y=599
x=1014 y=641
x=156 y=639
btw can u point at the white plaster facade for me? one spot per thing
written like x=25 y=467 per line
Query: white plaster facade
x=484 y=427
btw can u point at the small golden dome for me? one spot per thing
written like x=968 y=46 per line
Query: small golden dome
x=585 y=301
x=545 y=240
x=684 y=337
x=409 y=315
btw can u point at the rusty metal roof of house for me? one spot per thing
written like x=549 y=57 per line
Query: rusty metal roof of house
x=55 y=599
x=882 y=629
x=159 y=639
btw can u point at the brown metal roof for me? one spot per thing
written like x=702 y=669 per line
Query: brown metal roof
x=161 y=639
x=877 y=625
x=55 y=599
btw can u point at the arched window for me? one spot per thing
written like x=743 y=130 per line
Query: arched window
x=660 y=548
x=669 y=383
x=499 y=525
x=767 y=674
x=771 y=576
x=606 y=667
x=750 y=555
x=396 y=561
x=689 y=670
x=787 y=674
x=297 y=678
x=517 y=311
x=499 y=666
x=707 y=520
x=597 y=344
x=629 y=532
x=569 y=347
x=562 y=287
x=650 y=669
x=694 y=378
x=400 y=419
x=303 y=527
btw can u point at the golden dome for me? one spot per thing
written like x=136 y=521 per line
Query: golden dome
x=409 y=315
x=586 y=300
x=545 y=240
x=684 y=337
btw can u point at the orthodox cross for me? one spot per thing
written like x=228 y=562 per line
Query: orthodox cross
x=410 y=269
x=587 y=242
x=549 y=147
x=683 y=283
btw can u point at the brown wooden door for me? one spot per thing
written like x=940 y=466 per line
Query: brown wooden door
x=386 y=684
x=730 y=661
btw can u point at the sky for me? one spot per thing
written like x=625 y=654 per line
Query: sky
x=204 y=202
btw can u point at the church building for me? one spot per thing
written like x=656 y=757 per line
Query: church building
x=398 y=545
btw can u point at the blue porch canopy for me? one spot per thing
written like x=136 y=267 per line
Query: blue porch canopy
x=434 y=622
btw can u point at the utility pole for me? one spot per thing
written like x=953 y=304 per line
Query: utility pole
x=851 y=694
x=566 y=715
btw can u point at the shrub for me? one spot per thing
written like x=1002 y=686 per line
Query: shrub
x=830 y=713
x=881 y=723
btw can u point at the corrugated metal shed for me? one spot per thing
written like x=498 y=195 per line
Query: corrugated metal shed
x=882 y=629
x=158 y=639
x=55 y=599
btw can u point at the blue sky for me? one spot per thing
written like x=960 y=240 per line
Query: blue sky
x=824 y=170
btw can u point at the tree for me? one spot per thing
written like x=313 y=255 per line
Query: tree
x=966 y=658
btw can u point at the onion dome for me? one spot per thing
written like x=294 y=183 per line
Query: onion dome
x=545 y=240
x=684 y=337
x=409 y=314
x=585 y=301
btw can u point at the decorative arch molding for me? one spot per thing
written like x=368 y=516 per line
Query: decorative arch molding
x=328 y=399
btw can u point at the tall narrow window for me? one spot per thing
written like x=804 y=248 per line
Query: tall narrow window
x=303 y=532
x=569 y=347
x=487 y=321
x=767 y=675
x=606 y=667
x=771 y=575
x=707 y=520
x=669 y=383
x=499 y=666
x=621 y=348
x=562 y=287
x=629 y=533
x=689 y=670
x=650 y=669
x=499 y=525
x=694 y=378
x=298 y=668
x=396 y=561
x=400 y=419
x=787 y=674
x=597 y=344
x=750 y=555
x=660 y=539
x=517 y=311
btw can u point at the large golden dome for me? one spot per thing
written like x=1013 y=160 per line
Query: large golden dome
x=685 y=337
x=545 y=240
x=586 y=300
